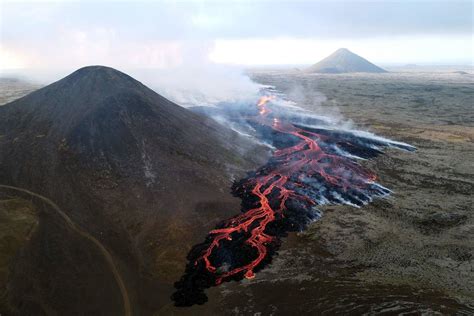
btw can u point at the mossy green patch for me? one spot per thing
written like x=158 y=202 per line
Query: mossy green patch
x=18 y=220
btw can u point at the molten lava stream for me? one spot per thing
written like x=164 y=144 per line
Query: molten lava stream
x=304 y=158
x=313 y=165
x=262 y=215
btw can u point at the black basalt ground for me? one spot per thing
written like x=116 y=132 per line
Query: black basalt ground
x=298 y=212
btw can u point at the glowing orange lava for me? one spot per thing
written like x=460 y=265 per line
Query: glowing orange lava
x=314 y=163
x=306 y=157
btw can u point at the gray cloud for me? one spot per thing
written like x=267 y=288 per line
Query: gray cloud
x=169 y=33
x=242 y=19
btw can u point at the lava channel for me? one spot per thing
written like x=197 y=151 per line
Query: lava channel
x=310 y=167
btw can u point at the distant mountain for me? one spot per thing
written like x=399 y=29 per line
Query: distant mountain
x=344 y=61
x=146 y=177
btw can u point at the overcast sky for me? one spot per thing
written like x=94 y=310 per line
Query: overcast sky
x=145 y=34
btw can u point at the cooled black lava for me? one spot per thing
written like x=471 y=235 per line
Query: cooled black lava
x=313 y=164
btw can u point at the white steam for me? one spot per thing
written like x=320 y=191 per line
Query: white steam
x=205 y=85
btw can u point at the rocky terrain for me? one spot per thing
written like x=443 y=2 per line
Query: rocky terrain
x=12 y=88
x=418 y=243
x=412 y=252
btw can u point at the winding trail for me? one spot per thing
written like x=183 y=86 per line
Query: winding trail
x=108 y=257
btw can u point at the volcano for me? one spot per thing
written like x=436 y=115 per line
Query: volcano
x=344 y=61
x=125 y=167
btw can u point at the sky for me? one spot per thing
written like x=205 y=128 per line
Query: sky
x=170 y=34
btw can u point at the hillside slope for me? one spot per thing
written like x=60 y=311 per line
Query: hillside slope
x=144 y=176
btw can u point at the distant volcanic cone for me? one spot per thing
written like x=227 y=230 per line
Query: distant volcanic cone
x=344 y=61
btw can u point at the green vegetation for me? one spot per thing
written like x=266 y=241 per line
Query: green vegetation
x=18 y=220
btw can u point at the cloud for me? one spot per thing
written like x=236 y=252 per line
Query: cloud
x=243 y=19
x=336 y=19
x=164 y=34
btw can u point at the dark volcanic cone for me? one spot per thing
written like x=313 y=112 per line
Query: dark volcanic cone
x=141 y=174
x=104 y=118
x=344 y=61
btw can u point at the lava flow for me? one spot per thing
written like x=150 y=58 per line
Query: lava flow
x=311 y=166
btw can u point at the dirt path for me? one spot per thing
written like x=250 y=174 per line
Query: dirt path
x=77 y=229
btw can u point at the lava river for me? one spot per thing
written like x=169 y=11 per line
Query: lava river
x=312 y=164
